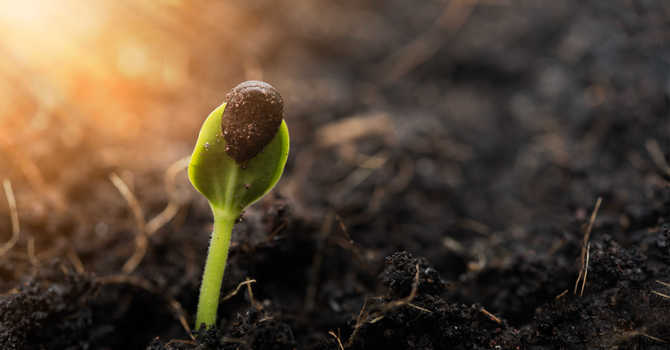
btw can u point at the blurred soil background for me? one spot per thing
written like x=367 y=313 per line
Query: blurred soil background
x=446 y=160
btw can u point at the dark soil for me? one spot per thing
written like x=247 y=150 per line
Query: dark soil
x=445 y=162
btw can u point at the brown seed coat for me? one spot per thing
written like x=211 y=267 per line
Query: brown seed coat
x=253 y=114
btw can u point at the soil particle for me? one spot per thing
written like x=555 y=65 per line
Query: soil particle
x=398 y=276
x=497 y=145
x=251 y=329
x=255 y=329
x=254 y=111
x=63 y=309
x=617 y=309
x=49 y=310
x=427 y=321
x=515 y=290
x=660 y=248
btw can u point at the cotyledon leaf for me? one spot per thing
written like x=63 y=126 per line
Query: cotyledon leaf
x=230 y=185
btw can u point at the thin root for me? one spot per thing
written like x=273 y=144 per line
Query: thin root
x=141 y=240
x=125 y=279
x=585 y=250
x=181 y=315
x=237 y=289
x=491 y=316
x=586 y=269
x=75 y=260
x=378 y=316
x=276 y=231
x=163 y=218
x=31 y=252
x=661 y=294
x=643 y=334
x=406 y=300
x=339 y=342
x=250 y=294
x=173 y=205
x=657 y=156
x=563 y=293
x=653 y=338
x=349 y=243
x=419 y=308
x=665 y=284
x=14 y=215
x=359 y=323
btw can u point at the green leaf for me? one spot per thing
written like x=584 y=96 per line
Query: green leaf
x=230 y=186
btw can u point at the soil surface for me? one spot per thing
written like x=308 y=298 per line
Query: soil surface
x=463 y=175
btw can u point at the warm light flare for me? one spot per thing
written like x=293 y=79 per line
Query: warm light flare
x=24 y=13
x=105 y=65
x=48 y=20
x=77 y=53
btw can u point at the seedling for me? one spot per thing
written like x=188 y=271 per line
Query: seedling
x=239 y=156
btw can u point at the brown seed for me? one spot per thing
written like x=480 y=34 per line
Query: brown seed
x=253 y=114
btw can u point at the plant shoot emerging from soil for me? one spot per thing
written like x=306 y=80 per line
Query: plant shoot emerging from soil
x=239 y=156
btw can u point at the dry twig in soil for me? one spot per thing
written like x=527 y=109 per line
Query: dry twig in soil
x=173 y=202
x=491 y=316
x=583 y=270
x=141 y=240
x=146 y=230
x=378 y=316
x=339 y=342
x=237 y=289
x=14 y=215
x=657 y=156
x=663 y=295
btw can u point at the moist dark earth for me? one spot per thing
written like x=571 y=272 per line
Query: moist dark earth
x=446 y=161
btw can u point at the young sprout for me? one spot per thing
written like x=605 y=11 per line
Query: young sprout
x=240 y=155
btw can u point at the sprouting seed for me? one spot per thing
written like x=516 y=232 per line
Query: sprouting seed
x=236 y=172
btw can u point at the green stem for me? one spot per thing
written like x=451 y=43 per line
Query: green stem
x=210 y=288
